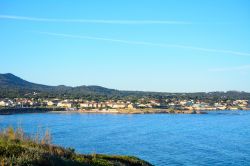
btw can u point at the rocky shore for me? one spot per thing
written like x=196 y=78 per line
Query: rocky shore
x=8 y=111
x=144 y=111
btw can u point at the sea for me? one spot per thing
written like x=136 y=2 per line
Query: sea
x=216 y=138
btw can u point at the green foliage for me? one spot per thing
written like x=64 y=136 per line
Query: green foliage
x=12 y=86
x=22 y=151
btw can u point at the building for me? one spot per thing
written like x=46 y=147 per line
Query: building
x=119 y=105
x=131 y=106
x=53 y=103
x=64 y=105
x=2 y=103
x=6 y=103
x=85 y=105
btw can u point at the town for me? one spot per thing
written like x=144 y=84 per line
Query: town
x=125 y=106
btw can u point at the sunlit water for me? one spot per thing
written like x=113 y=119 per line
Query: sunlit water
x=217 y=138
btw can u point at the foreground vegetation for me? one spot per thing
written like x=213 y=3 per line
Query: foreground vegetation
x=18 y=149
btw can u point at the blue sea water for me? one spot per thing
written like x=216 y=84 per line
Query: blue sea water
x=216 y=138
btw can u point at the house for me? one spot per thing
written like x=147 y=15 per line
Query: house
x=119 y=105
x=6 y=103
x=102 y=105
x=64 y=104
x=85 y=105
x=2 y=103
x=53 y=103
x=155 y=103
x=131 y=106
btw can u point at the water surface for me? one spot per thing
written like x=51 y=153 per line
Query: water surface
x=217 y=138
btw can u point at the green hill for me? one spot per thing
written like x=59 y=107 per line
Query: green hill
x=12 y=86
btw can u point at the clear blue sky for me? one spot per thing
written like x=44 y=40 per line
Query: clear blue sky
x=153 y=45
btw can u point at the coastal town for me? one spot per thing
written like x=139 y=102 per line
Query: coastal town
x=18 y=95
x=142 y=105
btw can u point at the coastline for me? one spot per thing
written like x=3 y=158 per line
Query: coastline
x=10 y=111
x=142 y=111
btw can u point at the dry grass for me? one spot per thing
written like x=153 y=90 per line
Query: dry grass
x=16 y=148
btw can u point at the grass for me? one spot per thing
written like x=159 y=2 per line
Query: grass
x=16 y=148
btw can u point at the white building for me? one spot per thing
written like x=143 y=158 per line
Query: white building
x=64 y=105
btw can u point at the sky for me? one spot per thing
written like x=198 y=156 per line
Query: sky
x=149 y=45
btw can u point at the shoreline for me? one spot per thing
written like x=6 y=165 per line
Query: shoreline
x=11 y=111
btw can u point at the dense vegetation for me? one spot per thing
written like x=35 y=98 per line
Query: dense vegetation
x=12 y=86
x=18 y=149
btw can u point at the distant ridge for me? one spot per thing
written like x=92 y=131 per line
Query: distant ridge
x=9 y=80
x=13 y=86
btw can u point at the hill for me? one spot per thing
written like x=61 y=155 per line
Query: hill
x=12 y=86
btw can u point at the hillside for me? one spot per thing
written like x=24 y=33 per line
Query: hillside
x=12 y=86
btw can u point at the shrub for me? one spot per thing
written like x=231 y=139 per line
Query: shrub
x=21 y=150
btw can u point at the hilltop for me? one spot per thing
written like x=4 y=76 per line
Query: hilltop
x=12 y=86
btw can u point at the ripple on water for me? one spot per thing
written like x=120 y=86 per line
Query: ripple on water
x=217 y=138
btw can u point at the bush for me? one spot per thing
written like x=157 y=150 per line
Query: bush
x=18 y=149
